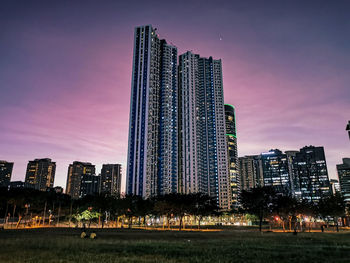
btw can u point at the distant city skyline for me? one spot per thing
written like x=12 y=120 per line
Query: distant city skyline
x=65 y=84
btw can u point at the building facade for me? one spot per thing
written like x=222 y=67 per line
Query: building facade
x=344 y=178
x=335 y=186
x=188 y=140
x=152 y=148
x=111 y=176
x=40 y=174
x=302 y=173
x=250 y=172
x=213 y=169
x=310 y=175
x=90 y=185
x=5 y=173
x=232 y=155
x=203 y=153
x=275 y=169
x=77 y=173
x=177 y=132
x=168 y=121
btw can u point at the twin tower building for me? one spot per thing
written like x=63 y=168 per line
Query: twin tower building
x=177 y=134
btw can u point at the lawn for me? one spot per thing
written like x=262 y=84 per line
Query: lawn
x=235 y=245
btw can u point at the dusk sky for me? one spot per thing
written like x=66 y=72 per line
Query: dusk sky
x=65 y=74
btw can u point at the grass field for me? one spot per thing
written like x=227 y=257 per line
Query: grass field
x=240 y=245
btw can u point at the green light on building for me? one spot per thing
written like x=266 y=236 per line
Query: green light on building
x=230 y=105
x=230 y=134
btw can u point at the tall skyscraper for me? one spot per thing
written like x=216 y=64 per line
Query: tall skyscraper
x=5 y=173
x=152 y=151
x=213 y=152
x=348 y=128
x=188 y=113
x=250 y=172
x=40 y=174
x=177 y=130
x=275 y=170
x=79 y=172
x=310 y=176
x=203 y=157
x=168 y=121
x=344 y=178
x=231 y=140
x=111 y=175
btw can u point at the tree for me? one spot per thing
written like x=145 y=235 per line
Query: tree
x=332 y=206
x=286 y=207
x=129 y=207
x=87 y=215
x=258 y=201
x=203 y=205
x=175 y=205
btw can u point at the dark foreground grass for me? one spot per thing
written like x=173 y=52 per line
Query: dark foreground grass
x=65 y=245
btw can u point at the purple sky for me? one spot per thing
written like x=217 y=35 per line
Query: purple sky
x=65 y=71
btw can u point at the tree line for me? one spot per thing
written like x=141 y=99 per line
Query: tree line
x=38 y=208
x=266 y=203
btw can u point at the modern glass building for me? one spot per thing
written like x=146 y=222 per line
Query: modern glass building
x=111 y=175
x=310 y=175
x=5 y=173
x=275 y=169
x=302 y=174
x=231 y=141
x=40 y=174
x=344 y=178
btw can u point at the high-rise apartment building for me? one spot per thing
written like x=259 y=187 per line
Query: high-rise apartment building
x=250 y=172
x=40 y=174
x=310 y=175
x=5 y=173
x=177 y=130
x=232 y=155
x=152 y=151
x=80 y=173
x=188 y=114
x=111 y=175
x=203 y=157
x=168 y=121
x=213 y=151
x=344 y=178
